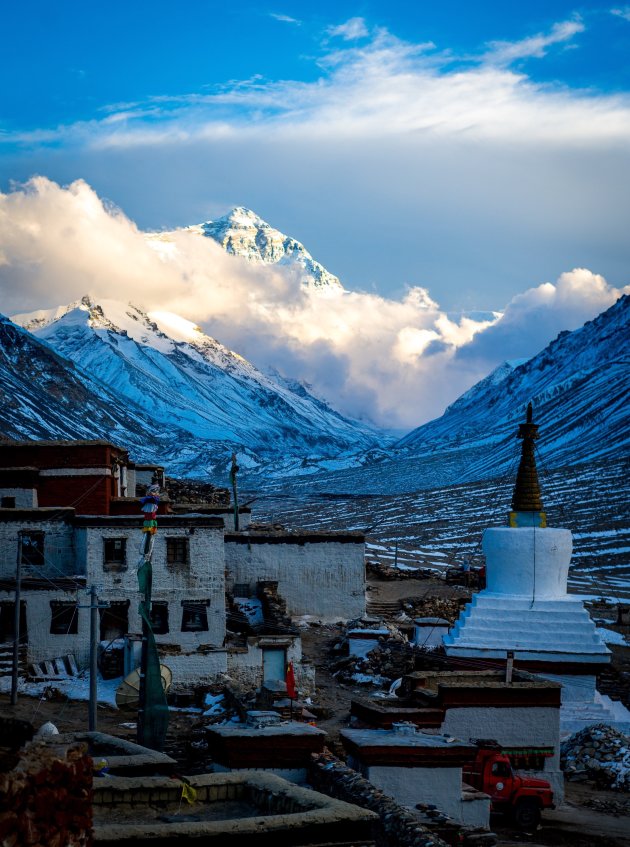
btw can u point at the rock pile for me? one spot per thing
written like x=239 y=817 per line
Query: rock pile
x=618 y=808
x=598 y=754
x=435 y=607
x=196 y=491
x=46 y=800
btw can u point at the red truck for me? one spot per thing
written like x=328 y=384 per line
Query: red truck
x=522 y=798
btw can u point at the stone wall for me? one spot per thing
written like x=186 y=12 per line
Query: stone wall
x=202 y=579
x=58 y=546
x=41 y=644
x=324 y=578
x=398 y=826
x=46 y=801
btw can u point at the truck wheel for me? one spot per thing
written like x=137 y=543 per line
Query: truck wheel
x=527 y=814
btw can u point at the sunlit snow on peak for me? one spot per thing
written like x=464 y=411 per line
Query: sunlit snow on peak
x=177 y=327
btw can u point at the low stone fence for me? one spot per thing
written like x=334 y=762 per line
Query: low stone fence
x=399 y=826
x=160 y=792
x=46 y=800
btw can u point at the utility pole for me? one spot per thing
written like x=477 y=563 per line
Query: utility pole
x=141 y=729
x=16 y=623
x=93 y=659
x=233 y=473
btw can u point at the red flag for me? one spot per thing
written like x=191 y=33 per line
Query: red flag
x=290 y=680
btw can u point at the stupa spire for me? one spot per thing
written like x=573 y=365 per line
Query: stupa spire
x=527 y=506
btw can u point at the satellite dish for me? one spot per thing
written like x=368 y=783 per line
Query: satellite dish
x=128 y=692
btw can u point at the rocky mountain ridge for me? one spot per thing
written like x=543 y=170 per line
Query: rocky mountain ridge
x=243 y=233
x=579 y=386
x=164 y=370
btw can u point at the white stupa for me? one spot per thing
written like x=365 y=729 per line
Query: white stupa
x=525 y=608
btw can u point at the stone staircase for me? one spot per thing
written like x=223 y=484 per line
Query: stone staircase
x=383 y=609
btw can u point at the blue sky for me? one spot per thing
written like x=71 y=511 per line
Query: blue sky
x=66 y=60
x=475 y=149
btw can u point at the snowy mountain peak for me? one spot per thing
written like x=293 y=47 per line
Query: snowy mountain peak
x=242 y=232
x=204 y=401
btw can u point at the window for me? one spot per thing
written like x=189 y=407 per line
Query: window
x=115 y=554
x=114 y=620
x=7 y=503
x=501 y=769
x=177 y=551
x=32 y=548
x=159 y=618
x=63 y=618
x=195 y=615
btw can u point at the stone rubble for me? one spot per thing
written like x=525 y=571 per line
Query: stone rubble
x=598 y=754
x=46 y=800
x=196 y=491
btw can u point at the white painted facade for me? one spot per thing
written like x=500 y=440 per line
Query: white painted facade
x=406 y=769
x=42 y=645
x=525 y=607
x=440 y=786
x=245 y=666
x=25 y=498
x=59 y=549
x=513 y=727
x=527 y=610
x=325 y=579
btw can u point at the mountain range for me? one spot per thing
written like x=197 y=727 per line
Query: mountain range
x=156 y=383
x=579 y=386
x=194 y=400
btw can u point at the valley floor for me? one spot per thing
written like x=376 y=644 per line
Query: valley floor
x=439 y=527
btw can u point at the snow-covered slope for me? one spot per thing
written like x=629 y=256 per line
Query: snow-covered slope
x=242 y=233
x=43 y=395
x=579 y=386
x=211 y=399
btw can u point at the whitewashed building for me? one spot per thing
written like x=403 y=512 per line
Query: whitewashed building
x=69 y=516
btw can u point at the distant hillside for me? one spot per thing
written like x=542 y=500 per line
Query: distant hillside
x=579 y=386
x=157 y=381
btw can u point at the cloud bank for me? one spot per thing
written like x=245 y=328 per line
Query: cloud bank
x=396 y=362
x=399 y=162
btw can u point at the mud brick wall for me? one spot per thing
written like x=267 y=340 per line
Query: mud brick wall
x=46 y=800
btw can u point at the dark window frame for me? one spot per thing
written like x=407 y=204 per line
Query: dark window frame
x=160 y=623
x=174 y=544
x=7 y=502
x=113 y=562
x=192 y=608
x=64 y=617
x=33 y=554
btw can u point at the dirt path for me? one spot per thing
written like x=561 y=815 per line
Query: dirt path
x=573 y=825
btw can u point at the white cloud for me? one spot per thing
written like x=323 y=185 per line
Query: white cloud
x=398 y=362
x=387 y=88
x=400 y=162
x=287 y=19
x=533 y=318
x=351 y=30
x=624 y=13
x=535 y=46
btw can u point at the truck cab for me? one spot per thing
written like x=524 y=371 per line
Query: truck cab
x=522 y=798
